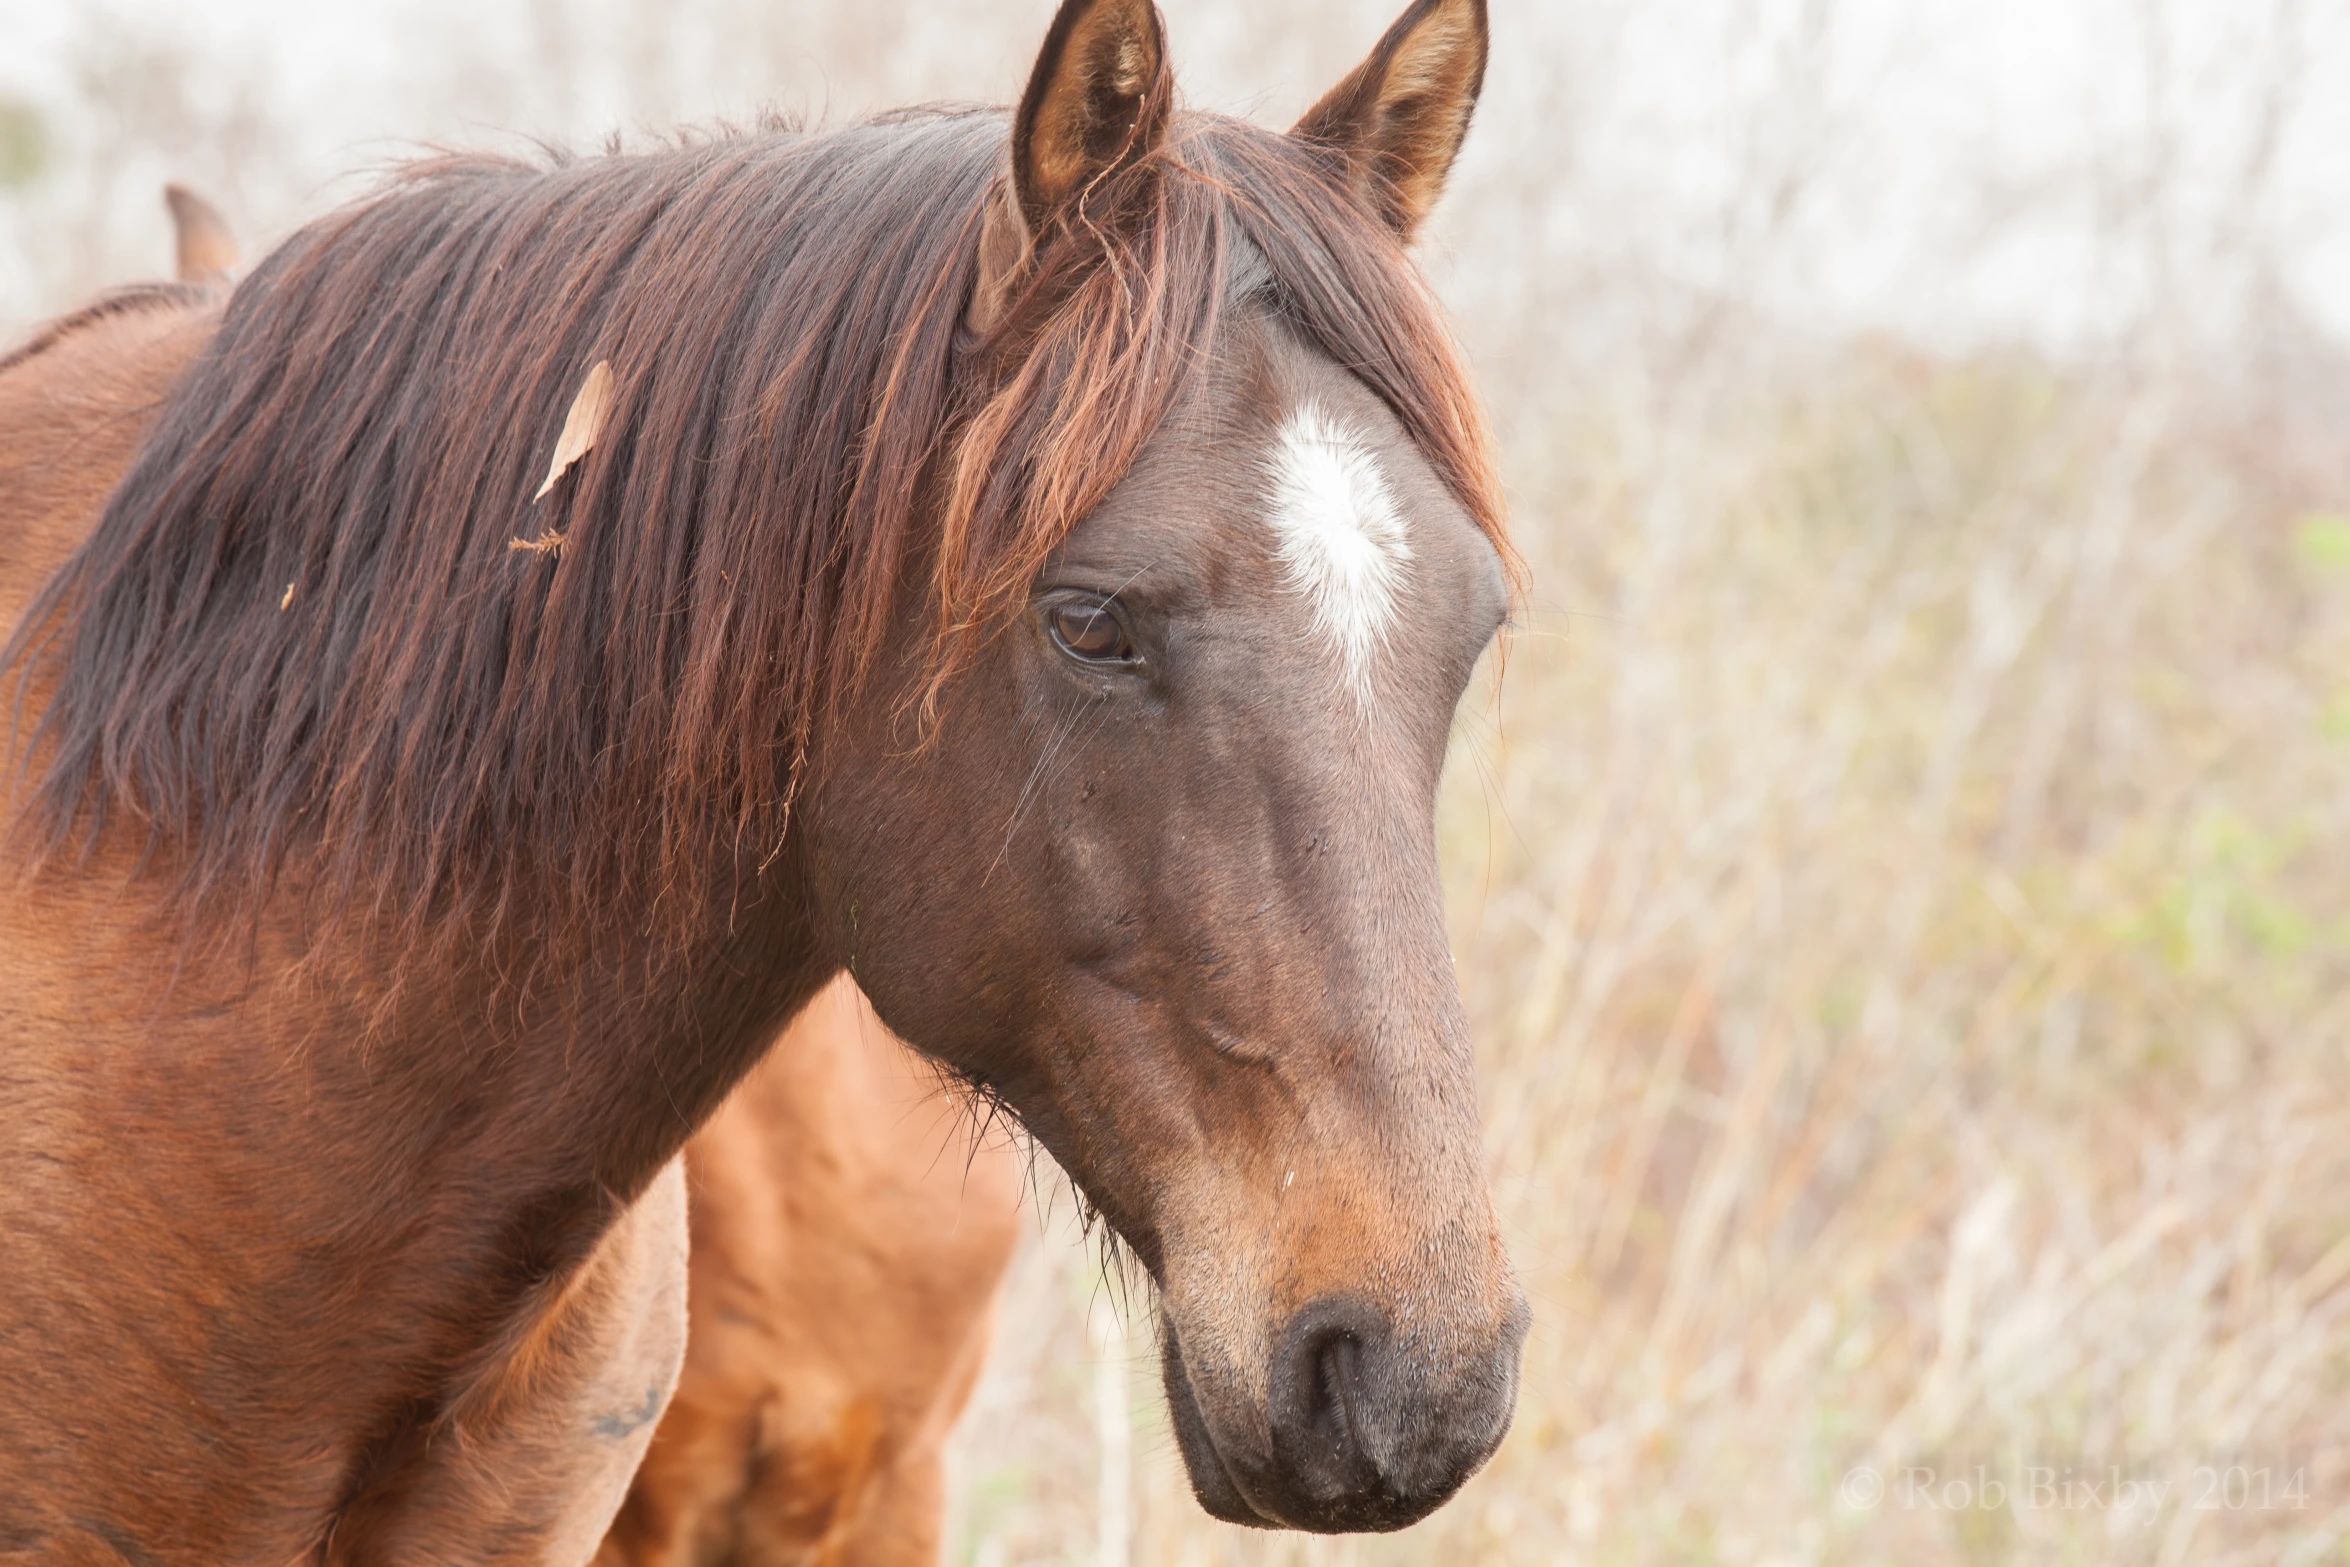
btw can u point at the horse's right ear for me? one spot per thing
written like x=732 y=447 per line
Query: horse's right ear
x=1098 y=99
x=1398 y=119
x=207 y=251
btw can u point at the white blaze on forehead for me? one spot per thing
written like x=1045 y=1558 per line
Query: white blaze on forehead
x=1340 y=534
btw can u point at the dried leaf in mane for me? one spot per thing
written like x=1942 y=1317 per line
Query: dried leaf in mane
x=445 y=747
x=581 y=426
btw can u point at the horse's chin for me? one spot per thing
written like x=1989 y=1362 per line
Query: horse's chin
x=1211 y=1481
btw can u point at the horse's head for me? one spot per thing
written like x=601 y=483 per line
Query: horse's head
x=1163 y=873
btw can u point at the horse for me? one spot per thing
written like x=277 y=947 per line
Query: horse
x=76 y=403
x=568 y=613
x=848 y=1238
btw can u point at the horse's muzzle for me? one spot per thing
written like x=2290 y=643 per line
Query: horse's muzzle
x=1363 y=1433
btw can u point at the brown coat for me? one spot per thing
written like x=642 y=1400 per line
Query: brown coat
x=848 y=1239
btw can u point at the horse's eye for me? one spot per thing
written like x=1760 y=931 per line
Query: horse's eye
x=1089 y=632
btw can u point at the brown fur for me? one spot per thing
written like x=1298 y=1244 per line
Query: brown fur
x=604 y=1338
x=74 y=421
x=392 y=904
x=849 y=1232
x=848 y=1240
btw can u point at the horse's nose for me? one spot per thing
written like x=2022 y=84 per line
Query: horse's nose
x=1366 y=1433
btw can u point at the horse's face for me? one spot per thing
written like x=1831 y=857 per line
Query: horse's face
x=1166 y=879
x=1164 y=876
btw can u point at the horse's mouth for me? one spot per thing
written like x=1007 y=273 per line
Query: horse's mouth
x=1211 y=1480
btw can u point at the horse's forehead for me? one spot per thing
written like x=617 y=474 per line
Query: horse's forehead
x=1340 y=532
x=1285 y=488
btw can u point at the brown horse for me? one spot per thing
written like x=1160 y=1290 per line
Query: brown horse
x=847 y=1238
x=848 y=1241
x=1039 y=584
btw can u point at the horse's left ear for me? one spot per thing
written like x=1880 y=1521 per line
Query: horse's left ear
x=1399 y=118
x=1098 y=100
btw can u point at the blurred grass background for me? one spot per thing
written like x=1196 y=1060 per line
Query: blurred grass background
x=1901 y=879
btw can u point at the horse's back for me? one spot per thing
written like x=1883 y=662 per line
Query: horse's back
x=848 y=1242
x=72 y=414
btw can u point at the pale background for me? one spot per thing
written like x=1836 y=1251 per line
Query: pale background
x=1902 y=883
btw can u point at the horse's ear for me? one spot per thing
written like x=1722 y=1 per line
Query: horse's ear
x=1098 y=99
x=207 y=251
x=1398 y=119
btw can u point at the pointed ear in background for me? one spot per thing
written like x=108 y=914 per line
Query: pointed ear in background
x=1098 y=99
x=1398 y=119
x=207 y=250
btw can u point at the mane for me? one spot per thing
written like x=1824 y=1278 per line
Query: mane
x=130 y=300
x=300 y=638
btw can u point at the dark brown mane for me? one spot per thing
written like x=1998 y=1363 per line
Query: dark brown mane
x=299 y=639
x=122 y=301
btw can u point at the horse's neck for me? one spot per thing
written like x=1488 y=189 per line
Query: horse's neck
x=514 y=1083
x=284 y=1185
x=573 y=1069
x=602 y=1061
x=510 y=1097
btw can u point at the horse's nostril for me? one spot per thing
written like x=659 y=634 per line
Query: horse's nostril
x=1339 y=1361
x=1319 y=1402
x=1338 y=1365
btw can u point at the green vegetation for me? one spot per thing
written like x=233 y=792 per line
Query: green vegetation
x=24 y=144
